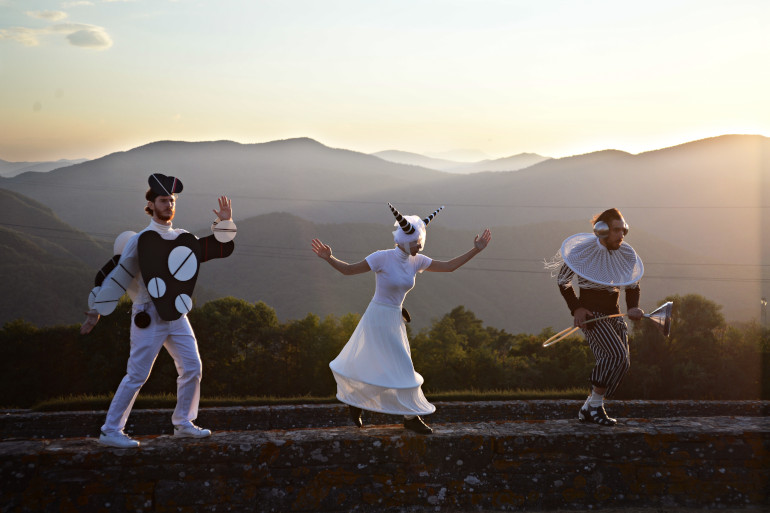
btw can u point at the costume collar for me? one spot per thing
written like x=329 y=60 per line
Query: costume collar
x=160 y=228
x=401 y=254
x=590 y=259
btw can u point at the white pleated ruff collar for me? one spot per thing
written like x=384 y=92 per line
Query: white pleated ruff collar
x=591 y=260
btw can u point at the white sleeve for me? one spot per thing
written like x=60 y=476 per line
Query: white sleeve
x=118 y=281
x=423 y=262
x=376 y=260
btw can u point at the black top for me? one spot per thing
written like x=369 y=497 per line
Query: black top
x=604 y=301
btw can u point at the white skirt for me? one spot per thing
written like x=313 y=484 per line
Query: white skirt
x=374 y=371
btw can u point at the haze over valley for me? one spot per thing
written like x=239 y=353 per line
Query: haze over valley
x=698 y=214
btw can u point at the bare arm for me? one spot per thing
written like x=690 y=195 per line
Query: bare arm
x=92 y=317
x=479 y=243
x=324 y=251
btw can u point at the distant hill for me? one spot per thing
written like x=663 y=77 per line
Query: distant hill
x=295 y=175
x=512 y=163
x=10 y=169
x=47 y=267
x=46 y=283
x=415 y=159
x=505 y=285
x=707 y=198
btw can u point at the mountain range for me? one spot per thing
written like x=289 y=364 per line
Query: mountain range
x=698 y=214
x=45 y=281
x=513 y=163
x=10 y=169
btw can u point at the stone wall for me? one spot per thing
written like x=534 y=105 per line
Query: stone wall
x=24 y=424
x=474 y=464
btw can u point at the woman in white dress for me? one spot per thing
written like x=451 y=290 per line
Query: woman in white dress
x=374 y=370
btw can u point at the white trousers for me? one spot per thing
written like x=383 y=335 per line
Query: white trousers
x=179 y=340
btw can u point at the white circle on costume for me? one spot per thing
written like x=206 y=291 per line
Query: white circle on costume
x=182 y=263
x=120 y=242
x=183 y=303
x=156 y=287
x=224 y=231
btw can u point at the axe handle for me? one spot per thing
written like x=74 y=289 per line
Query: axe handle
x=569 y=331
x=561 y=335
x=605 y=317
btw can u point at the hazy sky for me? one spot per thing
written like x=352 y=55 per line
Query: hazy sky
x=81 y=79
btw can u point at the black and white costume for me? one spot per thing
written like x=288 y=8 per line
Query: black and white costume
x=600 y=273
x=157 y=268
x=608 y=338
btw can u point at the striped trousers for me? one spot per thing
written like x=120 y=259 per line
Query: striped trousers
x=608 y=339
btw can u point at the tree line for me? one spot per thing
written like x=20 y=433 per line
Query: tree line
x=246 y=351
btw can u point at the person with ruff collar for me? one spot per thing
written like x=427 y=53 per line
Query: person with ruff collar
x=374 y=371
x=602 y=263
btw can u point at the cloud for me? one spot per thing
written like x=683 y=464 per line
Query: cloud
x=95 y=38
x=23 y=35
x=47 y=15
x=76 y=3
x=81 y=35
x=85 y=36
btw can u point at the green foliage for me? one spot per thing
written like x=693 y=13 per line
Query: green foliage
x=250 y=357
x=703 y=358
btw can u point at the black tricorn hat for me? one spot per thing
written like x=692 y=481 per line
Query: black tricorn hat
x=163 y=185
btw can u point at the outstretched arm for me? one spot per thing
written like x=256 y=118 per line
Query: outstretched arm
x=479 y=243
x=325 y=252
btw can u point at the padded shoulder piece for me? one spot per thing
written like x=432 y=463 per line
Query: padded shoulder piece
x=92 y=296
x=169 y=270
x=105 y=270
x=113 y=287
x=211 y=248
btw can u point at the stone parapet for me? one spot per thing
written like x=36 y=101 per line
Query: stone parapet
x=669 y=462
x=25 y=425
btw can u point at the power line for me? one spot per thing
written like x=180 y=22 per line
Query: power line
x=269 y=251
x=371 y=202
x=348 y=251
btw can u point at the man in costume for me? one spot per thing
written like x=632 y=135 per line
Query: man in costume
x=374 y=371
x=601 y=263
x=158 y=268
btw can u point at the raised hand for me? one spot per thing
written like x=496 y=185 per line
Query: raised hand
x=321 y=249
x=481 y=242
x=225 y=209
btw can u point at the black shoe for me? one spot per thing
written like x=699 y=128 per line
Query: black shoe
x=355 y=415
x=417 y=425
x=595 y=414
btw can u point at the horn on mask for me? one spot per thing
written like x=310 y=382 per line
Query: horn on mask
x=403 y=223
x=430 y=217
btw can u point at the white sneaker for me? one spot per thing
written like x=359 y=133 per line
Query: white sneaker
x=191 y=431
x=118 y=439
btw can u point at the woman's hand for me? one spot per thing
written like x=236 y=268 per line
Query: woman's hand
x=481 y=242
x=321 y=249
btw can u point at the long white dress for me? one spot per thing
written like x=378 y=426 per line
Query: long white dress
x=374 y=371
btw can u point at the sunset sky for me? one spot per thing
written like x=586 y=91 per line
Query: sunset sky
x=81 y=79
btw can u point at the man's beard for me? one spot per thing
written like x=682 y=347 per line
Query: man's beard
x=165 y=217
